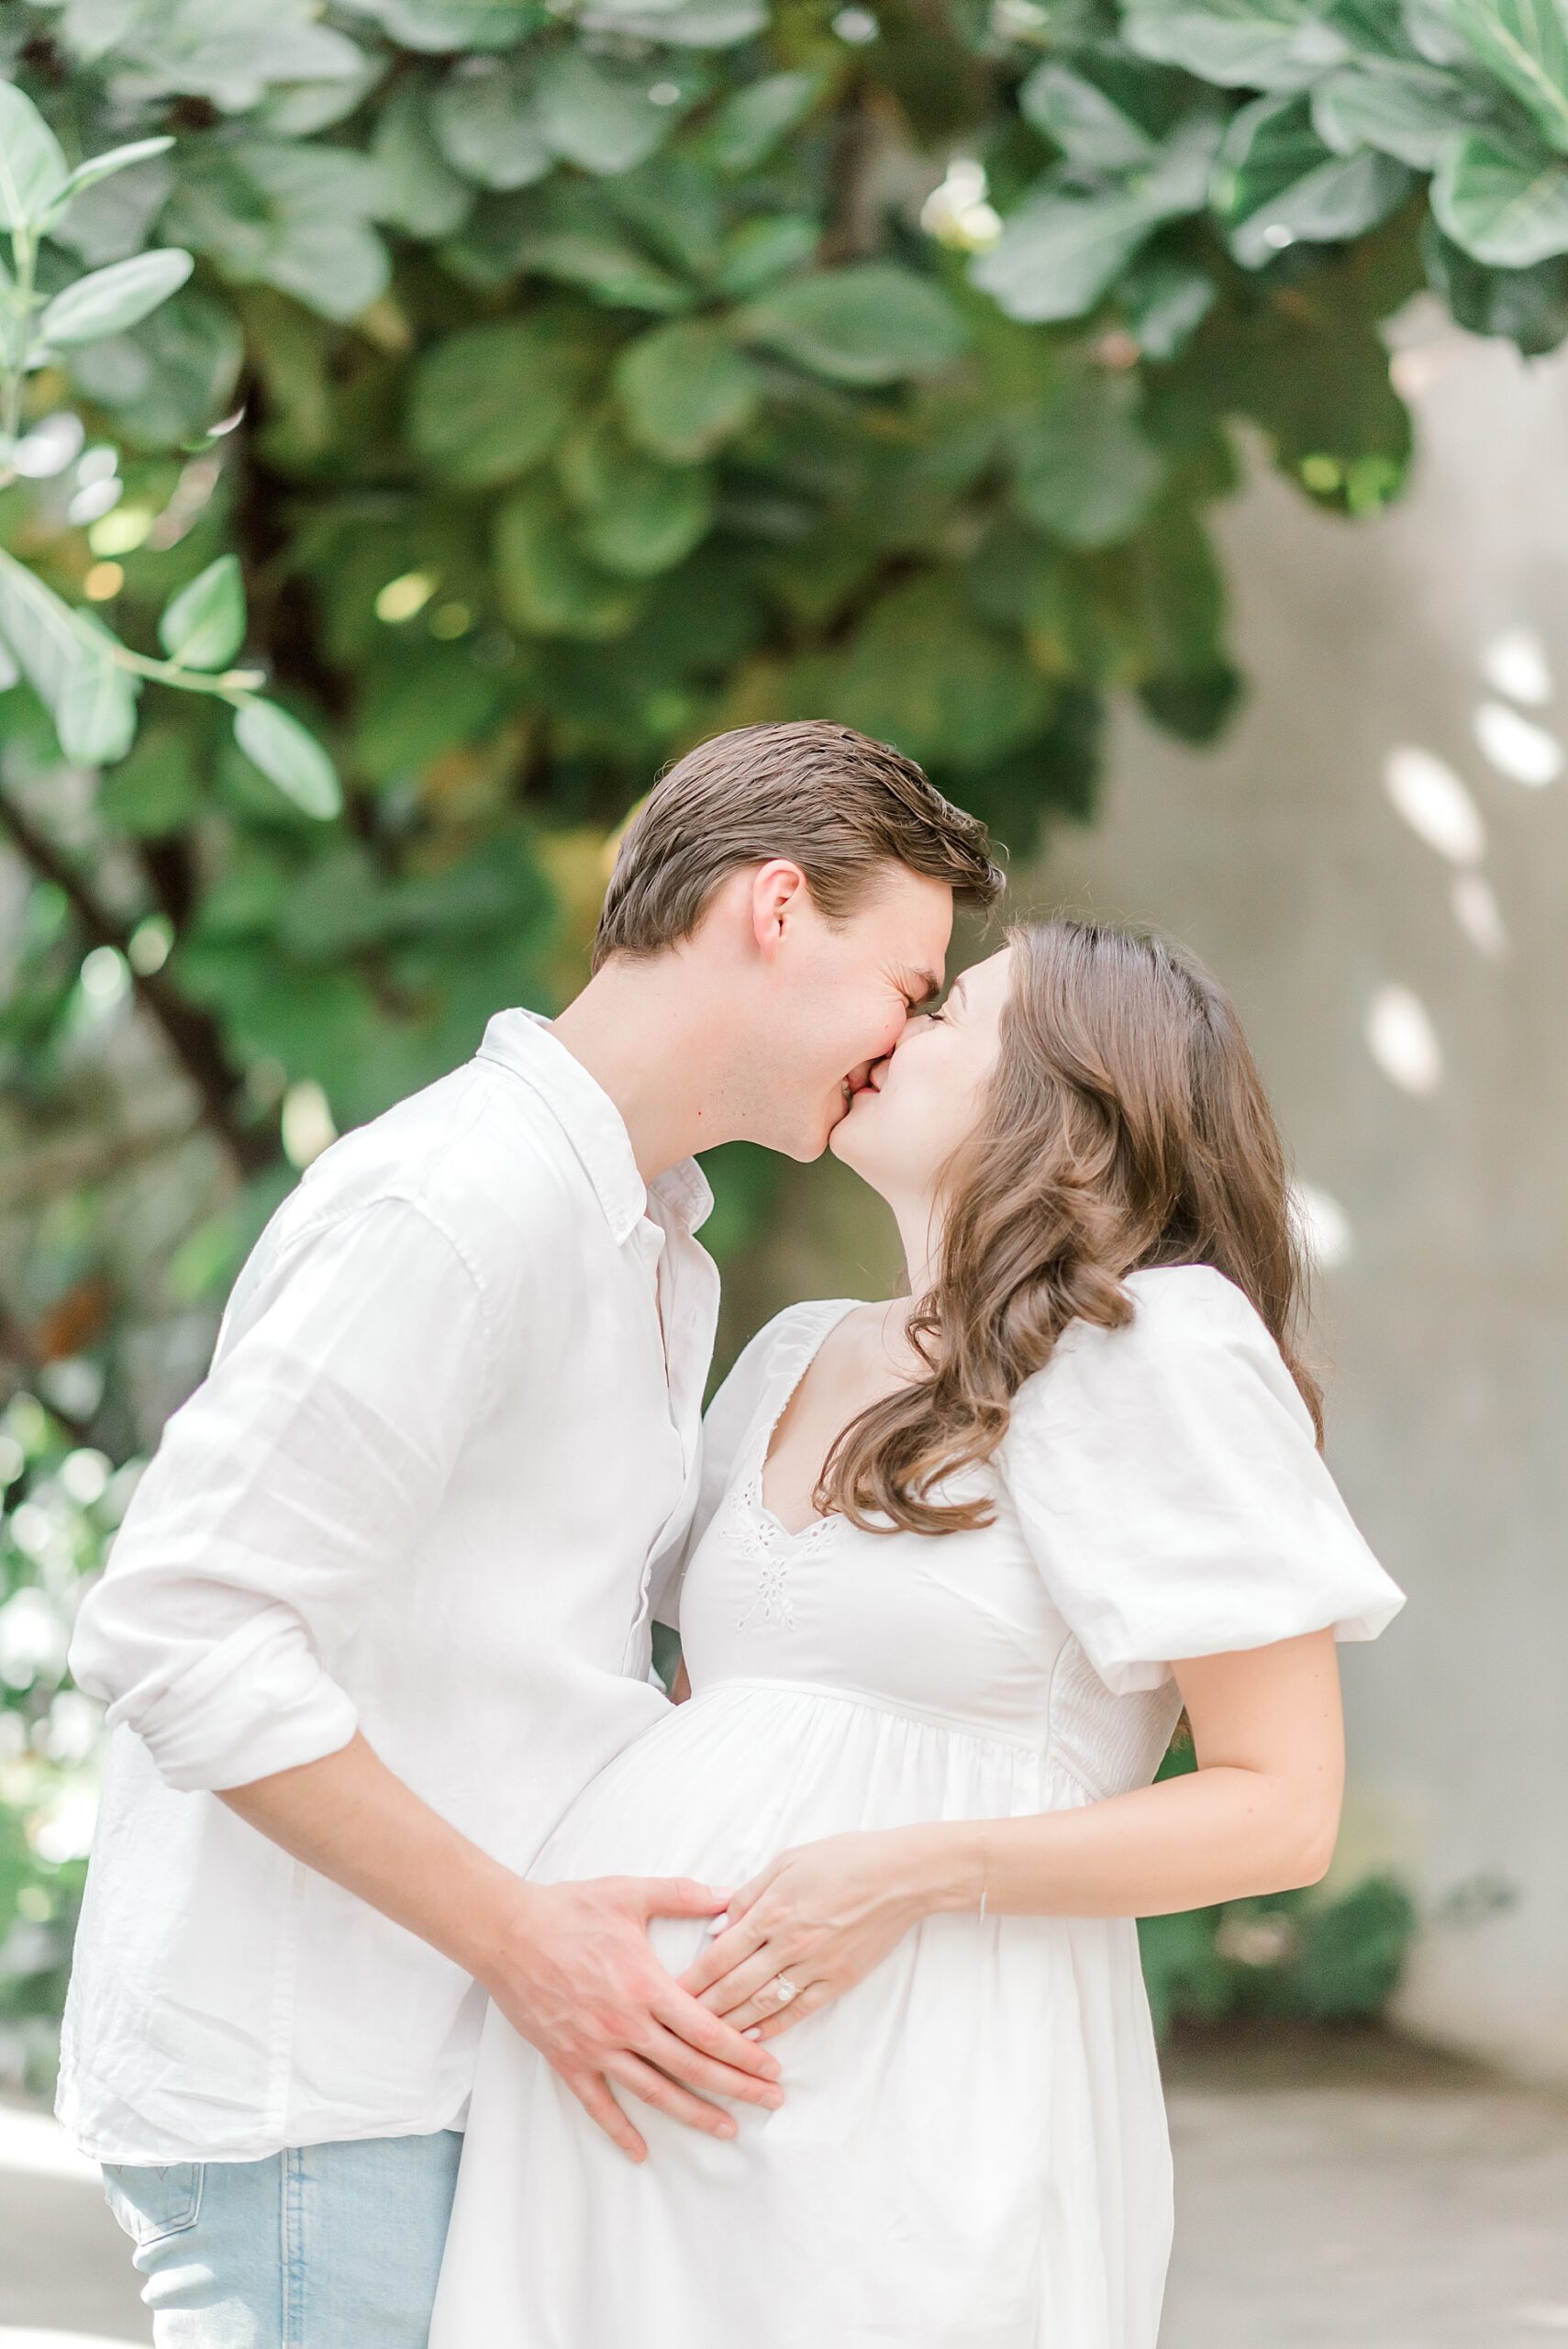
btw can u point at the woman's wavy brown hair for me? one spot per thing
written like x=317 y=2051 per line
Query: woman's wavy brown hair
x=1126 y=1125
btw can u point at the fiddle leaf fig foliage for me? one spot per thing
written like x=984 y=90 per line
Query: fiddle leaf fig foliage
x=423 y=419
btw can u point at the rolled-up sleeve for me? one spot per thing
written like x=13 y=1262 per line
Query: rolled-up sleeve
x=305 y=1468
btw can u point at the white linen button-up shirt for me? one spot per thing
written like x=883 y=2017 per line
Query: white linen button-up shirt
x=430 y=1489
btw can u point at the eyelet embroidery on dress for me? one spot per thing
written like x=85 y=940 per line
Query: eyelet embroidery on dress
x=773 y=1547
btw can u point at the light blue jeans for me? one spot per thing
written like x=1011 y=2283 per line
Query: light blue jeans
x=333 y=2246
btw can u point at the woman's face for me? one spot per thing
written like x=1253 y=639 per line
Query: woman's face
x=922 y=1101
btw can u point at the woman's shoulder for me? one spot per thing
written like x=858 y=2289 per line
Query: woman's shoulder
x=782 y=1346
x=1193 y=1333
x=1195 y=1299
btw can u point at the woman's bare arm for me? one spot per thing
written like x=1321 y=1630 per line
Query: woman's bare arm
x=1258 y=1814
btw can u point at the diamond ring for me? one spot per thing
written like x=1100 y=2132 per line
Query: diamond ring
x=784 y=1989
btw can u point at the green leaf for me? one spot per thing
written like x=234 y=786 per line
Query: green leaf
x=421 y=194
x=1165 y=302
x=95 y=712
x=486 y=122
x=491 y=400
x=1414 y=118
x=675 y=207
x=694 y=24
x=299 y=109
x=871 y=322
x=745 y=130
x=1057 y=253
x=1525 y=43
x=650 y=517
x=1529 y=305
x=1502 y=202
x=1060 y=252
x=1317 y=383
x=289 y=755
x=203 y=625
x=759 y=251
x=922 y=672
x=437 y=26
x=1086 y=473
x=292 y=216
x=600 y=120
x=685 y=389
x=68 y=661
x=1170 y=597
x=170 y=379
x=1083 y=119
x=607 y=266
x=32 y=168
x=1242 y=44
x=157 y=790
x=1275 y=184
x=548 y=586
x=110 y=301
x=419 y=701
x=100 y=167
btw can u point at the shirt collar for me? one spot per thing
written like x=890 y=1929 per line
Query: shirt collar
x=522 y=1041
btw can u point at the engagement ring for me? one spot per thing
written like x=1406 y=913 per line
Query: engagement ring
x=784 y=1990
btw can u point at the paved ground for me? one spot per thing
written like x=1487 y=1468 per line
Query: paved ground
x=1363 y=2194
x=1339 y=2194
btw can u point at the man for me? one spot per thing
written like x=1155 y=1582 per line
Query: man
x=381 y=1604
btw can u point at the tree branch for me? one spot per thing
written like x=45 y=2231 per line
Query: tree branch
x=16 y=1347
x=31 y=1178
x=849 y=231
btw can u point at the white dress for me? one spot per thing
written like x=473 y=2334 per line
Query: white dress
x=973 y=2153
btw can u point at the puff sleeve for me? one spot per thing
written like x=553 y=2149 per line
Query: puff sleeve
x=1168 y=1487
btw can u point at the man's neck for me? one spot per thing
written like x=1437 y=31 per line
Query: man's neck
x=641 y=1032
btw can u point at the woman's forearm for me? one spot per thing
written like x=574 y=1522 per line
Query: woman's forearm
x=1213 y=1835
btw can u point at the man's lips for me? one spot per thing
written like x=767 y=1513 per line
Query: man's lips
x=867 y=1079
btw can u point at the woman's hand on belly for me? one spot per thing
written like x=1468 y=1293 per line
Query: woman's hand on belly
x=821 y=1916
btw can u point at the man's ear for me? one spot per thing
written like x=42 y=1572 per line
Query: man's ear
x=779 y=892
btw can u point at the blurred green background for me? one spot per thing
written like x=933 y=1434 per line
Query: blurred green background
x=449 y=410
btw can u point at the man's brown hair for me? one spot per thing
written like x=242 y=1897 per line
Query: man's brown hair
x=833 y=801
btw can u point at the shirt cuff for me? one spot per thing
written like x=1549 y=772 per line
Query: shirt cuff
x=259 y=1702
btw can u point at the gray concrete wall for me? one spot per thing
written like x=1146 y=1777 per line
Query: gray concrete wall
x=1284 y=860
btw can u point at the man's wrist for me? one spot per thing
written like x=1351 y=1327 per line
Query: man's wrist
x=497 y=1919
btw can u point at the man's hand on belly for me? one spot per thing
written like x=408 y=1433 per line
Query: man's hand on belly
x=575 y=1974
x=570 y=1965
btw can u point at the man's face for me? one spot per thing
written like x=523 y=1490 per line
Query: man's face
x=835 y=1001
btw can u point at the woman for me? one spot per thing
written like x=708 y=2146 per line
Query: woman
x=946 y=1554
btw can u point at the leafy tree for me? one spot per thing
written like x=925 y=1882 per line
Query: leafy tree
x=556 y=383
x=419 y=420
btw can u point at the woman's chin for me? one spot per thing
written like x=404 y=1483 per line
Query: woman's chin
x=850 y=1135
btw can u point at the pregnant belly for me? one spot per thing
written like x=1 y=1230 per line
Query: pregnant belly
x=745 y=1769
x=970 y=2153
